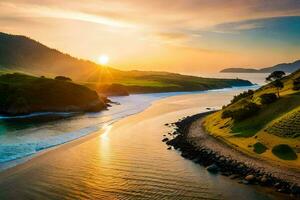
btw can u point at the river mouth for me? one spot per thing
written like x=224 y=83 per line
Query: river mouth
x=127 y=160
x=22 y=137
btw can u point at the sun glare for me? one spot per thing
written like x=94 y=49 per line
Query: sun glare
x=103 y=59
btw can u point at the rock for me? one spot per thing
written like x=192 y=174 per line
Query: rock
x=222 y=159
x=245 y=182
x=185 y=154
x=283 y=190
x=226 y=173
x=295 y=189
x=165 y=140
x=213 y=168
x=250 y=178
x=277 y=185
x=264 y=180
x=234 y=176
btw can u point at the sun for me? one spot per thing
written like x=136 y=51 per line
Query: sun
x=103 y=59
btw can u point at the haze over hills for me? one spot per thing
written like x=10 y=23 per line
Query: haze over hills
x=286 y=67
x=22 y=54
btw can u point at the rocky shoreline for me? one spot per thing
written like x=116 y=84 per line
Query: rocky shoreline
x=215 y=162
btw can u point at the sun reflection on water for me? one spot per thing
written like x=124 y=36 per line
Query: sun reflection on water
x=104 y=135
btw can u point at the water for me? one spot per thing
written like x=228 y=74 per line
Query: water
x=128 y=161
x=23 y=136
x=27 y=135
x=256 y=78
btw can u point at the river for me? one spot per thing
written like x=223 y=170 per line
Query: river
x=119 y=156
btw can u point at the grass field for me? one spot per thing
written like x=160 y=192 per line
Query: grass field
x=147 y=82
x=272 y=133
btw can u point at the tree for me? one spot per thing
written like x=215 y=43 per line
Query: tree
x=276 y=75
x=247 y=110
x=275 y=78
x=62 y=78
x=268 y=98
x=296 y=84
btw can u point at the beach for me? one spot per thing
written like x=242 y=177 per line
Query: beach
x=127 y=160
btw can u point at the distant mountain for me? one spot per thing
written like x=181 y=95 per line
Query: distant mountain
x=22 y=54
x=286 y=67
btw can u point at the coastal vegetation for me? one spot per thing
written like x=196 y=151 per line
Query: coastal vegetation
x=284 y=152
x=218 y=158
x=24 y=94
x=263 y=123
x=259 y=148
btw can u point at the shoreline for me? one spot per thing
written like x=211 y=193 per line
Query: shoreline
x=219 y=158
x=29 y=161
x=128 y=150
x=63 y=115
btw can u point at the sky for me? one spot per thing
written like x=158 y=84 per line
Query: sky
x=186 y=36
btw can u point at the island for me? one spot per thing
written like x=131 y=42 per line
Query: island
x=286 y=67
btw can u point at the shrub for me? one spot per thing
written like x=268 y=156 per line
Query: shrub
x=284 y=152
x=268 y=98
x=227 y=114
x=62 y=78
x=296 y=84
x=259 y=148
x=242 y=95
x=246 y=111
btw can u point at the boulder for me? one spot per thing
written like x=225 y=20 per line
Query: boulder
x=264 y=180
x=234 y=176
x=250 y=178
x=295 y=189
x=213 y=168
x=244 y=182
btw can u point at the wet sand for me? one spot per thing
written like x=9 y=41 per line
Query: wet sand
x=127 y=160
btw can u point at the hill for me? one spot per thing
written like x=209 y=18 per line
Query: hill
x=24 y=94
x=20 y=53
x=262 y=124
x=286 y=67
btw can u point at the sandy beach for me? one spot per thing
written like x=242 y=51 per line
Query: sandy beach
x=127 y=160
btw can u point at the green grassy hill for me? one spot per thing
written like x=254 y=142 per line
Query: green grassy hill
x=24 y=94
x=261 y=128
x=22 y=54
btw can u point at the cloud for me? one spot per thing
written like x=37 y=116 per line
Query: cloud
x=38 y=11
x=141 y=27
x=174 y=14
x=172 y=36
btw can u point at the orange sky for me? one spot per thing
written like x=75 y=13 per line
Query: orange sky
x=179 y=35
